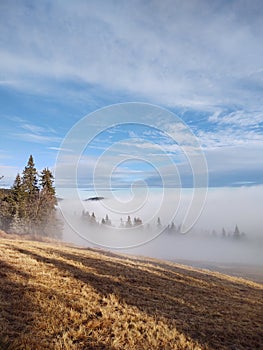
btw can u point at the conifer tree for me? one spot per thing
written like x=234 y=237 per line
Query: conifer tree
x=128 y=222
x=47 y=183
x=107 y=220
x=93 y=219
x=29 y=178
x=18 y=206
x=18 y=197
x=17 y=189
x=46 y=218
x=236 y=234
x=31 y=193
x=121 y=223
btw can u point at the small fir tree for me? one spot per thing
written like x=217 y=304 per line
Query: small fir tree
x=128 y=222
x=236 y=234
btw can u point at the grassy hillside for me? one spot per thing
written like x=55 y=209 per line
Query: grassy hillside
x=59 y=297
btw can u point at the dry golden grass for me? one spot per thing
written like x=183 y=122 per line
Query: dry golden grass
x=60 y=297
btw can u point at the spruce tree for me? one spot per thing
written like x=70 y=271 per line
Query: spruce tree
x=236 y=234
x=47 y=222
x=121 y=223
x=31 y=193
x=46 y=182
x=128 y=222
x=18 y=197
x=93 y=219
x=30 y=179
x=17 y=189
x=18 y=206
x=107 y=220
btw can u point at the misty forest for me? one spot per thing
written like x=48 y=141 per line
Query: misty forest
x=92 y=222
x=29 y=207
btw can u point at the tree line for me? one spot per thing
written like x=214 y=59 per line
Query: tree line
x=90 y=219
x=29 y=207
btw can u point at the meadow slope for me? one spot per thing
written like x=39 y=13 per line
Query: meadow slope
x=62 y=297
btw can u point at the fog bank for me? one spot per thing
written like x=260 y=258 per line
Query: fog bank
x=224 y=208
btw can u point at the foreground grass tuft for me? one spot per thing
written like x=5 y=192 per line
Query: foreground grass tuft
x=59 y=297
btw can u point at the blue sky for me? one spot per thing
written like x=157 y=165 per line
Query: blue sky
x=202 y=60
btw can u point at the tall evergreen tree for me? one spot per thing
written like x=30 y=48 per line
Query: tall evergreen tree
x=47 y=220
x=18 y=206
x=17 y=189
x=31 y=193
x=30 y=178
x=18 y=197
x=47 y=184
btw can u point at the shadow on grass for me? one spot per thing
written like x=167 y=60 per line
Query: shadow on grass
x=16 y=309
x=19 y=310
x=217 y=313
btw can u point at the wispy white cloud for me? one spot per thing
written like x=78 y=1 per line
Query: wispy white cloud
x=229 y=129
x=30 y=137
x=228 y=137
x=240 y=118
x=60 y=149
x=195 y=53
x=158 y=147
x=33 y=128
x=30 y=132
x=16 y=119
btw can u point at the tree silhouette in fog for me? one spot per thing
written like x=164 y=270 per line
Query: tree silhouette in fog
x=30 y=205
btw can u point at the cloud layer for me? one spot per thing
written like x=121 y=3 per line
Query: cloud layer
x=177 y=53
x=202 y=60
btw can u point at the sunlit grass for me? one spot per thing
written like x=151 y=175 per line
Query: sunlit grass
x=60 y=297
